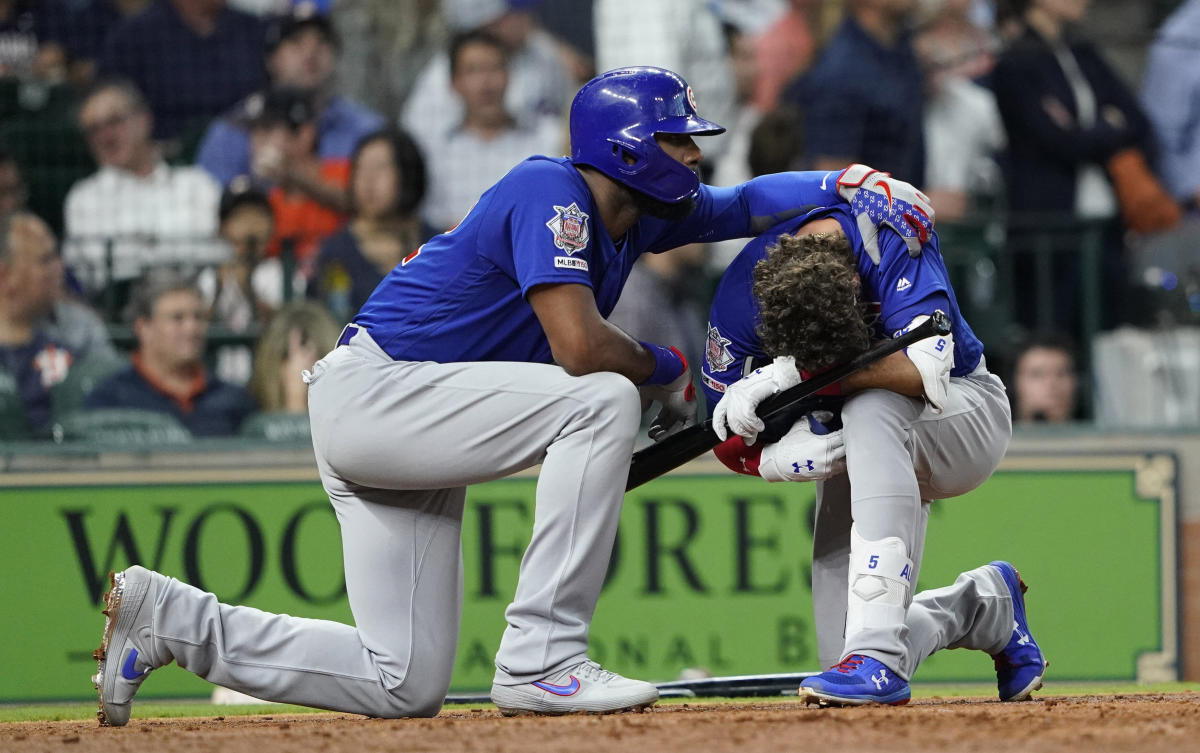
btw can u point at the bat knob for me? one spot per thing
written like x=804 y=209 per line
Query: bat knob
x=941 y=322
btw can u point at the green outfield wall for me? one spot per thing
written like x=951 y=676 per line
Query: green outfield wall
x=711 y=570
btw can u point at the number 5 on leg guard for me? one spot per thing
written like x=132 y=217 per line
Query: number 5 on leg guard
x=879 y=594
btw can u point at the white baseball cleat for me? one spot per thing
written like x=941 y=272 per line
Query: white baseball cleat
x=584 y=688
x=126 y=653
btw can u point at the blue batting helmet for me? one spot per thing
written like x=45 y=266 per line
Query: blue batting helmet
x=613 y=121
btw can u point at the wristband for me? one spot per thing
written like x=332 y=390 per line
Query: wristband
x=669 y=363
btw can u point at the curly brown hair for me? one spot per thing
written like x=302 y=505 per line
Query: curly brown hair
x=810 y=301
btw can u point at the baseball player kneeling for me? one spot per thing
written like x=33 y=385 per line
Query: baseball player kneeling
x=926 y=423
x=484 y=352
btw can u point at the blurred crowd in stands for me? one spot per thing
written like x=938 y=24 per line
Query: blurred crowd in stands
x=195 y=195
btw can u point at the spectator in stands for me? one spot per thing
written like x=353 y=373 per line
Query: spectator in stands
x=168 y=374
x=76 y=30
x=1044 y=381
x=64 y=319
x=283 y=144
x=193 y=59
x=244 y=291
x=136 y=205
x=1068 y=116
x=538 y=81
x=862 y=100
x=733 y=166
x=679 y=35
x=22 y=25
x=387 y=183
x=41 y=333
x=299 y=334
x=783 y=50
x=963 y=130
x=777 y=143
x=302 y=54
x=398 y=36
x=13 y=191
x=467 y=158
x=1171 y=96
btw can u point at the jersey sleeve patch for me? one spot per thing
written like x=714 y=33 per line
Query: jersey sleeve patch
x=716 y=351
x=570 y=262
x=711 y=383
x=570 y=228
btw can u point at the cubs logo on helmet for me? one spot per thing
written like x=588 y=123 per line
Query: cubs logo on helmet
x=614 y=119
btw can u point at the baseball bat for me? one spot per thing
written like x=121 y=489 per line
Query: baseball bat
x=655 y=460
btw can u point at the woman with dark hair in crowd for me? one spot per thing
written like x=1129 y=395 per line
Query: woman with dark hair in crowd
x=387 y=183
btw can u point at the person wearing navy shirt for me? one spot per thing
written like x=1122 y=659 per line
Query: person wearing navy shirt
x=33 y=357
x=926 y=423
x=863 y=99
x=301 y=53
x=193 y=59
x=484 y=352
x=167 y=374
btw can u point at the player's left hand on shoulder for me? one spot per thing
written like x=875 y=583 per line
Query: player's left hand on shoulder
x=806 y=453
x=677 y=406
x=877 y=199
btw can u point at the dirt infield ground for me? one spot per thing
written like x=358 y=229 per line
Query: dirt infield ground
x=1143 y=723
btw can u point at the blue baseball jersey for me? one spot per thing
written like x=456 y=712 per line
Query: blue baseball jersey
x=462 y=295
x=902 y=287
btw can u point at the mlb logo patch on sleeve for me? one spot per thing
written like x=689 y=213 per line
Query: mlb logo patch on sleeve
x=570 y=262
x=570 y=228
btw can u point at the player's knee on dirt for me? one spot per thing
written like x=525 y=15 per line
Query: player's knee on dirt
x=413 y=700
x=880 y=582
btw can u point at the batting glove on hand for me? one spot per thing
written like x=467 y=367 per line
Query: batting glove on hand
x=876 y=199
x=805 y=453
x=677 y=405
x=738 y=407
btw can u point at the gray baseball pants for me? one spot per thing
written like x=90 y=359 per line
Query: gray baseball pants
x=396 y=444
x=900 y=455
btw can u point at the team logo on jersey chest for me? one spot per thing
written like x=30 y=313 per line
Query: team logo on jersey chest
x=570 y=228
x=716 y=351
x=52 y=364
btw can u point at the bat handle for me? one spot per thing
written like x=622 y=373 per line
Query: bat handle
x=941 y=322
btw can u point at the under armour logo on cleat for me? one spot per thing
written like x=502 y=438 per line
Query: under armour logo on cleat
x=880 y=680
x=1024 y=639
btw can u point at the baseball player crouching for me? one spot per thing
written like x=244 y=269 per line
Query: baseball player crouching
x=922 y=424
x=483 y=352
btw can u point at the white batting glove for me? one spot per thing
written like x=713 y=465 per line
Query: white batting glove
x=738 y=406
x=677 y=405
x=934 y=358
x=803 y=455
x=876 y=198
